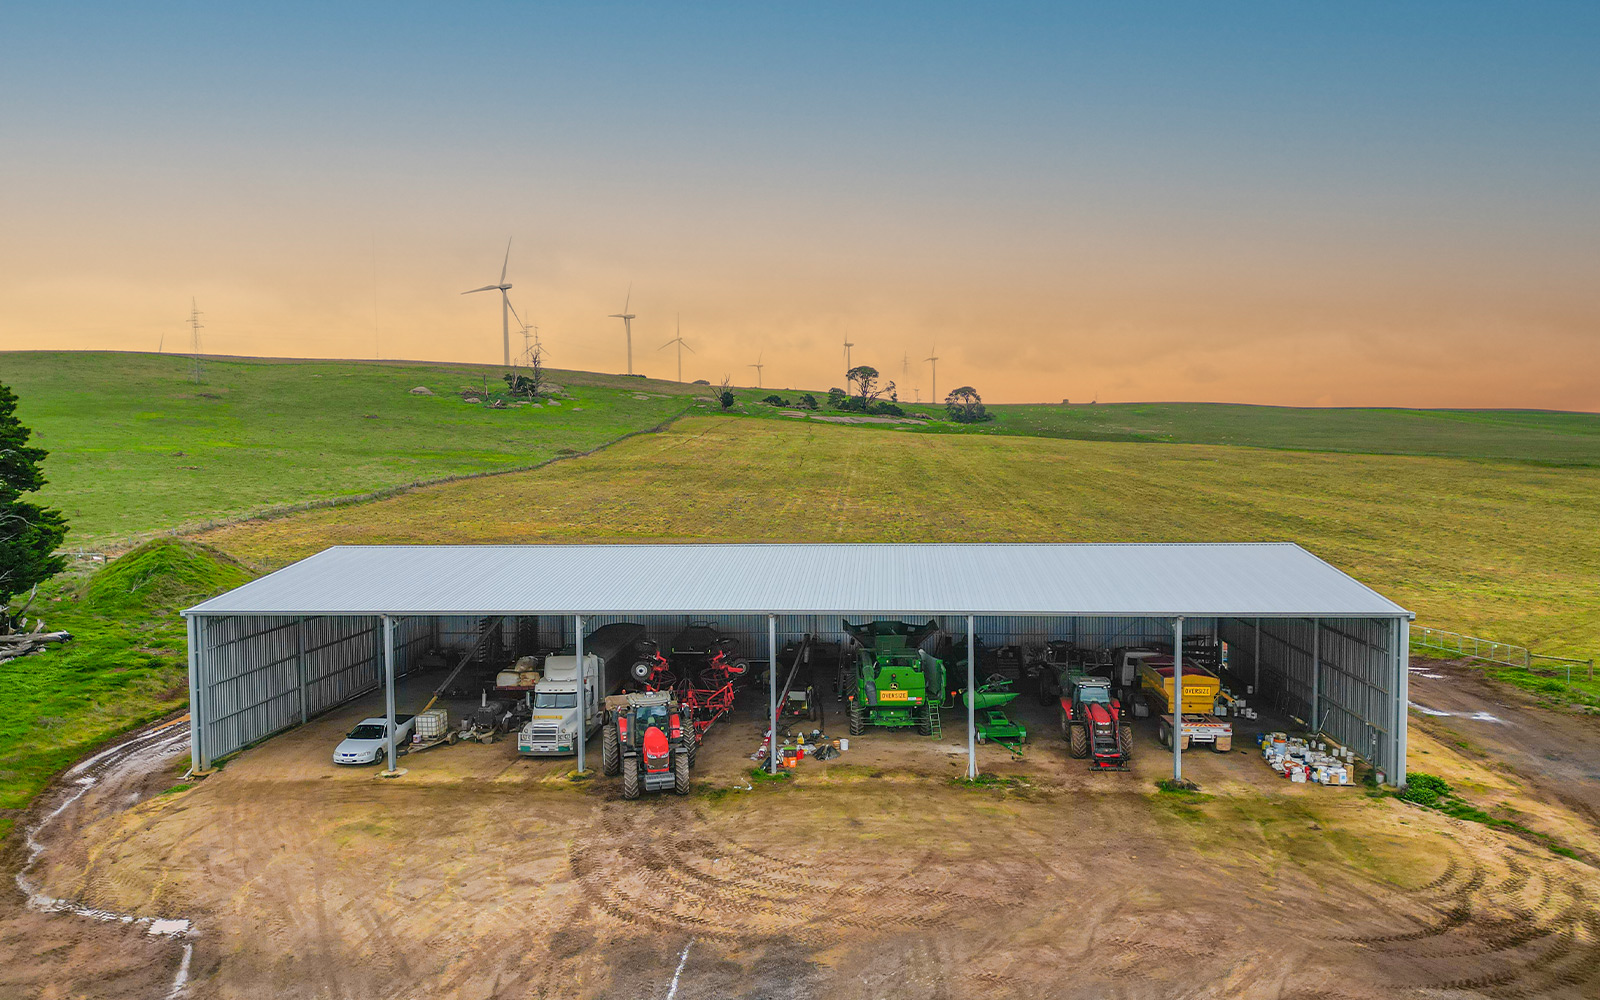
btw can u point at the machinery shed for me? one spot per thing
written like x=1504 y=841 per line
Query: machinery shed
x=1302 y=635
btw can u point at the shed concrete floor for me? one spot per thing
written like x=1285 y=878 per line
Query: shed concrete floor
x=479 y=874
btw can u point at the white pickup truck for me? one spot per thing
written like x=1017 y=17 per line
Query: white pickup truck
x=367 y=742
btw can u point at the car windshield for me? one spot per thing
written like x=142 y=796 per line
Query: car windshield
x=555 y=699
x=367 y=733
x=1097 y=695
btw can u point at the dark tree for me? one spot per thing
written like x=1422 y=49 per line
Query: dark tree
x=776 y=400
x=965 y=406
x=808 y=402
x=836 y=398
x=29 y=533
x=726 y=399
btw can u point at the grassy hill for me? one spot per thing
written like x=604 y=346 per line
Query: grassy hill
x=137 y=447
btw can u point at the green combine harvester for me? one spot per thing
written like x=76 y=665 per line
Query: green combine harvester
x=891 y=682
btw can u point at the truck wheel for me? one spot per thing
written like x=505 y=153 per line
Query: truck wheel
x=1165 y=735
x=610 y=752
x=1125 y=737
x=1078 y=741
x=1223 y=744
x=858 y=722
x=680 y=772
x=630 y=778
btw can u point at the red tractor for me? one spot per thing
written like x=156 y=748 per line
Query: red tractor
x=648 y=741
x=1092 y=722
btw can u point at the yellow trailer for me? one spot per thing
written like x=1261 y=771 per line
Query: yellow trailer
x=1200 y=686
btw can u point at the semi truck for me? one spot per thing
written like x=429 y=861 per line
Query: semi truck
x=609 y=655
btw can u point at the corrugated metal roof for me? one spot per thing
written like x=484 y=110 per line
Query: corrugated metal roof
x=1247 y=580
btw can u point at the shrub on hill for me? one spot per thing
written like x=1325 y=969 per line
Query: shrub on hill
x=161 y=577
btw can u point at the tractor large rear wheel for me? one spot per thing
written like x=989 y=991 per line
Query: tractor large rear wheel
x=1125 y=737
x=858 y=720
x=680 y=772
x=610 y=752
x=1078 y=740
x=630 y=778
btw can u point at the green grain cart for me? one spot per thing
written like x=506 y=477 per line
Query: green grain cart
x=891 y=682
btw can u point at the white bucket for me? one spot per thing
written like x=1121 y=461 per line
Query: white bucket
x=844 y=744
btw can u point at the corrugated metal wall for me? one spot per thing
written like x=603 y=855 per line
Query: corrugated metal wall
x=1352 y=663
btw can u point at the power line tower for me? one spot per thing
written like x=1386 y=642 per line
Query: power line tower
x=194 y=349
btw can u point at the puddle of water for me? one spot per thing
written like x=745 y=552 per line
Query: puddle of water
x=1474 y=716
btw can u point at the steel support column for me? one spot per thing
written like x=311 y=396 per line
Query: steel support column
x=1402 y=700
x=388 y=685
x=583 y=713
x=300 y=668
x=972 y=698
x=1177 y=698
x=197 y=754
x=1316 y=676
x=1255 y=689
x=772 y=693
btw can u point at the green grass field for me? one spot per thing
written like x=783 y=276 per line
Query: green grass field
x=136 y=447
x=1484 y=522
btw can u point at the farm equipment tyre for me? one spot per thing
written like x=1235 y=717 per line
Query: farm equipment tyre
x=1125 y=737
x=858 y=722
x=814 y=709
x=610 y=752
x=1078 y=740
x=1066 y=725
x=680 y=772
x=691 y=742
x=630 y=778
x=925 y=723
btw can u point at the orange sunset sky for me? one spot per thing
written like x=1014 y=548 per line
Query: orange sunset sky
x=1350 y=206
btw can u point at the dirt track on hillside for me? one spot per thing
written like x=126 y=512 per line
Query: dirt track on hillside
x=482 y=875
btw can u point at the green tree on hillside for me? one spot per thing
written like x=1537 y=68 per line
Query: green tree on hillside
x=29 y=533
x=965 y=406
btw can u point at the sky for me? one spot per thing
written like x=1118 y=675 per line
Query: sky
x=1298 y=204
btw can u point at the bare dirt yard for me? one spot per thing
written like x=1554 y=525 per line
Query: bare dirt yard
x=480 y=874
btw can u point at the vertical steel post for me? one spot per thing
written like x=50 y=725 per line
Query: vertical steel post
x=772 y=693
x=300 y=669
x=583 y=708
x=1402 y=704
x=1177 y=698
x=1316 y=676
x=197 y=756
x=388 y=685
x=972 y=699
x=1255 y=690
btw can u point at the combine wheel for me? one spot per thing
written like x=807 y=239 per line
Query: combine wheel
x=1125 y=737
x=925 y=723
x=630 y=778
x=610 y=752
x=680 y=772
x=1078 y=740
x=858 y=721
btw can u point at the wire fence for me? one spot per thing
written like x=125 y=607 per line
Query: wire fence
x=1492 y=651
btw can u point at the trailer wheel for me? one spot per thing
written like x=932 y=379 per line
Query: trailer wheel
x=691 y=743
x=1164 y=733
x=630 y=778
x=680 y=772
x=1125 y=737
x=1078 y=740
x=858 y=722
x=610 y=752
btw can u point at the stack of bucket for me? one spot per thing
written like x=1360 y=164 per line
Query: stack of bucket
x=1302 y=760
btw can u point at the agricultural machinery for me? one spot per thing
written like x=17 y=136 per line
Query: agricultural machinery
x=892 y=682
x=1092 y=722
x=994 y=725
x=648 y=741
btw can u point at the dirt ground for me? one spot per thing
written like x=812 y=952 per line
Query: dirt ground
x=479 y=874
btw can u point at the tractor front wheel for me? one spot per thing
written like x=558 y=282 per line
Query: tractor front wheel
x=1078 y=741
x=611 y=752
x=630 y=778
x=680 y=772
x=1125 y=737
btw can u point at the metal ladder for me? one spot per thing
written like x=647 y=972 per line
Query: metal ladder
x=935 y=728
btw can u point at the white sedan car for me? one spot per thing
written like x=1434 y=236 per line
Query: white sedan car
x=367 y=744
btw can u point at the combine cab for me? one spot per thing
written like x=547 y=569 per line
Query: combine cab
x=648 y=741
x=892 y=682
x=1092 y=722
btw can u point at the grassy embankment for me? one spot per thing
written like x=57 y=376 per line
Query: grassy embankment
x=137 y=448
x=1508 y=549
x=125 y=665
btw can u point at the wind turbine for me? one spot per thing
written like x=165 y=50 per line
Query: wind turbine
x=627 y=324
x=847 y=346
x=934 y=361
x=758 y=366
x=681 y=345
x=505 y=304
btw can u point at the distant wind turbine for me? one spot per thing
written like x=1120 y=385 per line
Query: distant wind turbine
x=758 y=366
x=681 y=345
x=505 y=304
x=627 y=324
x=847 y=346
x=934 y=361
